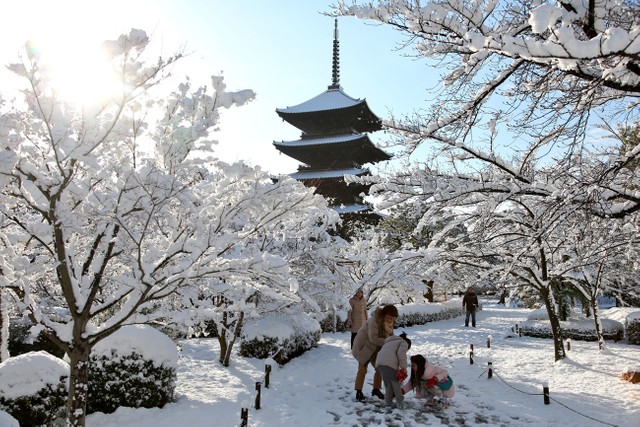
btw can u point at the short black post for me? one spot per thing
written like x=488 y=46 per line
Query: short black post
x=516 y=328
x=519 y=332
x=244 y=417
x=471 y=355
x=490 y=373
x=267 y=372
x=545 y=393
x=568 y=344
x=258 y=384
x=489 y=341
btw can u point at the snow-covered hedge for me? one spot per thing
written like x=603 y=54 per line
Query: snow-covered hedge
x=134 y=367
x=633 y=327
x=33 y=388
x=582 y=329
x=409 y=315
x=279 y=337
x=419 y=314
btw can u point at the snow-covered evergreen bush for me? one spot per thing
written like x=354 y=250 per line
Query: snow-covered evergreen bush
x=334 y=322
x=281 y=338
x=419 y=314
x=633 y=327
x=33 y=388
x=135 y=367
x=577 y=327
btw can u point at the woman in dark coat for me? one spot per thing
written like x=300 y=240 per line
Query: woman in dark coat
x=470 y=302
x=368 y=341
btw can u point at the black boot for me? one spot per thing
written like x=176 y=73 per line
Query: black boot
x=360 y=396
x=376 y=392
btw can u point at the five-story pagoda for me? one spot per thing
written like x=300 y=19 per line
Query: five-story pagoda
x=334 y=143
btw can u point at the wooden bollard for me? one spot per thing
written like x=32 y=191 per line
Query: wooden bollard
x=489 y=341
x=490 y=372
x=545 y=393
x=244 y=417
x=267 y=372
x=568 y=344
x=471 y=355
x=258 y=385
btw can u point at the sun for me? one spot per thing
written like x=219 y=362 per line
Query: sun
x=78 y=70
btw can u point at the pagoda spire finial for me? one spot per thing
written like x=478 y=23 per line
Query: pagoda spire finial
x=335 y=69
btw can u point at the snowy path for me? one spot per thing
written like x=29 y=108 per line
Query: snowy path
x=316 y=389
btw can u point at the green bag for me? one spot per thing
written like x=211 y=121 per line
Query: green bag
x=445 y=385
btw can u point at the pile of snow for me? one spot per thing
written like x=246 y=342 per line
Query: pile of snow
x=144 y=340
x=27 y=374
x=7 y=420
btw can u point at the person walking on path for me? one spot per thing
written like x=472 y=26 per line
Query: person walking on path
x=392 y=365
x=470 y=302
x=357 y=315
x=368 y=341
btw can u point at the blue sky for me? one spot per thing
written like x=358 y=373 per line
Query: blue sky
x=282 y=49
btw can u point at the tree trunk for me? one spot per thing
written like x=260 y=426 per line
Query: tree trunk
x=236 y=333
x=596 y=320
x=222 y=337
x=556 y=330
x=4 y=327
x=78 y=384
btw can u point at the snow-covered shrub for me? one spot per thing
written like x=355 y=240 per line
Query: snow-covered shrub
x=577 y=327
x=279 y=337
x=633 y=327
x=334 y=321
x=33 y=388
x=419 y=314
x=134 y=367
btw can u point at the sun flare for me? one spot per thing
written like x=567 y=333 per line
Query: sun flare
x=79 y=71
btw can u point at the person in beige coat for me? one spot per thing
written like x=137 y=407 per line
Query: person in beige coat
x=357 y=314
x=369 y=339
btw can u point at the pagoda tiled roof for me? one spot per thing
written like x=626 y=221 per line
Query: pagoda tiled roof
x=328 y=174
x=335 y=139
x=351 y=208
x=331 y=99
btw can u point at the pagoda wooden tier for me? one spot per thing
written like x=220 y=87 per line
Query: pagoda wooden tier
x=334 y=143
x=340 y=114
x=333 y=151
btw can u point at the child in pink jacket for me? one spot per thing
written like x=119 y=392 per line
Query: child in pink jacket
x=429 y=381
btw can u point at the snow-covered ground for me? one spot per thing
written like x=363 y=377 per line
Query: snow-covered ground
x=316 y=389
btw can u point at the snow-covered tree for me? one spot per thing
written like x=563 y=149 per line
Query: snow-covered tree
x=509 y=133
x=386 y=277
x=112 y=210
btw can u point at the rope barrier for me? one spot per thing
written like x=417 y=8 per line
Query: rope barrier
x=586 y=416
x=539 y=394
